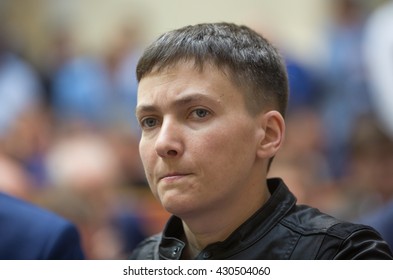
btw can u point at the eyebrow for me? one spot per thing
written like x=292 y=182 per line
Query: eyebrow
x=184 y=100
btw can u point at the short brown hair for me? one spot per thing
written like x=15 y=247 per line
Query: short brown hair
x=251 y=61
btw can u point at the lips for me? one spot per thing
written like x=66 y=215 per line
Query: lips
x=173 y=176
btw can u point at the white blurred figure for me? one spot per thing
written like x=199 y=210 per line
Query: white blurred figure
x=378 y=54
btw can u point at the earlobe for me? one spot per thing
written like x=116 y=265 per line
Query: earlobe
x=273 y=125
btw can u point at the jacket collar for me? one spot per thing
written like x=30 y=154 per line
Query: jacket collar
x=253 y=229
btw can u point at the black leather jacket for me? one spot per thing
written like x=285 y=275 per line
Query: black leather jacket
x=280 y=229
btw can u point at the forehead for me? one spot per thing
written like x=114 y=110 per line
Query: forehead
x=185 y=80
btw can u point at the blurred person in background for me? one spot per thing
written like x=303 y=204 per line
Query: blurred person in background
x=109 y=224
x=78 y=92
x=343 y=93
x=368 y=190
x=27 y=231
x=32 y=233
x=377 y=46
x=20 y=88
x=96 y=90
x=84 y=169
x=302 y=162
x=27 y=141
x=120 y=59
x=324 y=105
x=377 y=49
x=24 y=122
x=369 y=183
x=211 y=105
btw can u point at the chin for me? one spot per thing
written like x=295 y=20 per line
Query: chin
x=179 y=202
x=178 y=208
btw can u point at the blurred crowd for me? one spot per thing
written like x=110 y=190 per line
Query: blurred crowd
x=69 y=137
x=69 y=141
x=338 y=154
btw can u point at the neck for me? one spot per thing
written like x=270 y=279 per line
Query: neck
x=217 y=225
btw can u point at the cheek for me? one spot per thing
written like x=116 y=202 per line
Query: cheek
x=226 y=148
x=145 y=151
x=233 y=141
x=147 y=159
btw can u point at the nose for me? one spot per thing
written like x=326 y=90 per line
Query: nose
x=169 y=141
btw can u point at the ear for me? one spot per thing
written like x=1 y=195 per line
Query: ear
x=272 y=127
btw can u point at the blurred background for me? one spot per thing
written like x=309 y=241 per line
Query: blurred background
x=69 y=138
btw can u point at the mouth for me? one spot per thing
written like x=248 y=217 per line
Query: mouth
x=173 y=176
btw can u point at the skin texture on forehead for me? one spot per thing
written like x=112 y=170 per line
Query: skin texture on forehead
x=209 y=66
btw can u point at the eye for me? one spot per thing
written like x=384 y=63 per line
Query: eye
x=148 y=122
x=200 y=113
